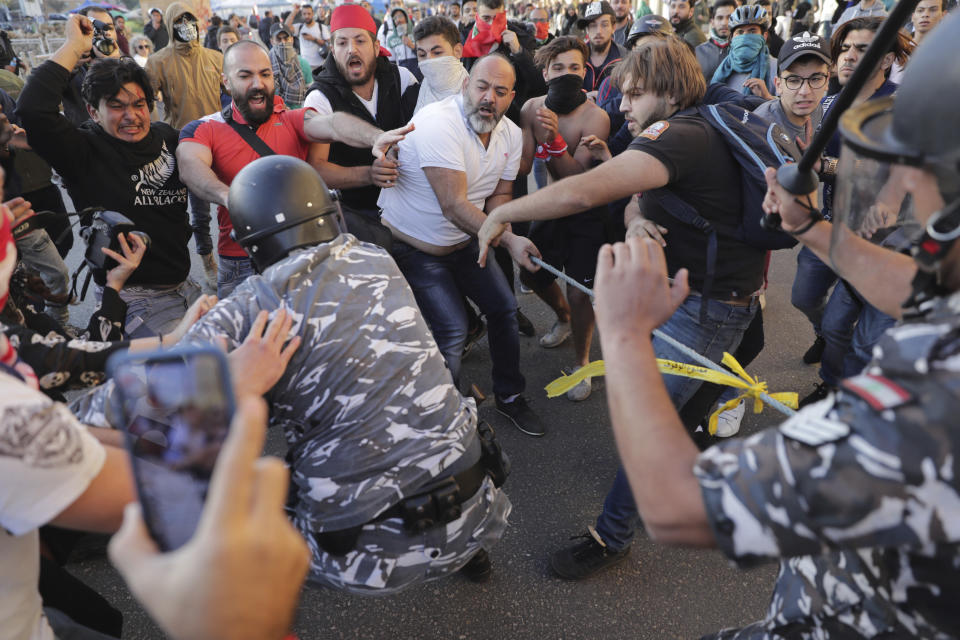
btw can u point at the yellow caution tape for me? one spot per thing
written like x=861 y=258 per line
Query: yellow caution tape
x=752 y=387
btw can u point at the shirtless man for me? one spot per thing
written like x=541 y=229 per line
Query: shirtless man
x=553 y=126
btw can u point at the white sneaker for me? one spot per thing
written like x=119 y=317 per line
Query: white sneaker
x=580 y=392
x=728 y=422
x=557 y=335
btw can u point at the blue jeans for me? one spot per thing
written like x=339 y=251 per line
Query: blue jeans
x=200 y=222
x=39 y=254
x=810 y=287
x=439 y=284
x=851 y=326
x=723 y=331
x=540 y=174
x=231 y=273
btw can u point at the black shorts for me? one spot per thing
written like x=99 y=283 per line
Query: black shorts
x=570 y=244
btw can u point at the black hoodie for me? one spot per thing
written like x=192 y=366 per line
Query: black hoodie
x=138 y=179
x=393 y=110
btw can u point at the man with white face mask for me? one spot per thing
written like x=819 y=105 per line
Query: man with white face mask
x=438 y=52
x=187 y=75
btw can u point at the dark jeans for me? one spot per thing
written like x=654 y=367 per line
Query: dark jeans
x=439 y=284
x=700 y=405
x=723 y=331
x=851 y=326
x=232 y=271
x=810 y=287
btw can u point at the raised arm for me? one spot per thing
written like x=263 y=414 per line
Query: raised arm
x=880 y=275
x=629 y=173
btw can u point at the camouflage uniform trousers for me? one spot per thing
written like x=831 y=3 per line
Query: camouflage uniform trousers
x=386 y=559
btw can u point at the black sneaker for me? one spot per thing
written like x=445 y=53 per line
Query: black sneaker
x=525 y=326
x=815 y=352
x=479 y=568
x=474 y=334
x=585 y=558
x=521 y=416
x=821 y=390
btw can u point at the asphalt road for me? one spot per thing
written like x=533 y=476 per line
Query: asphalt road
x=557 y=488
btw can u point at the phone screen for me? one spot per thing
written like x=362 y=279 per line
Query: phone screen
x=176 y=410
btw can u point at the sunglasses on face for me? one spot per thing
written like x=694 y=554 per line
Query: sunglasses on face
x=143 y=46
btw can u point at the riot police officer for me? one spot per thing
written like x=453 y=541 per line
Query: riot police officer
x=392 y=480
x=858 y=495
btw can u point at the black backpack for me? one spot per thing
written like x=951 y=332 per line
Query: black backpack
x=756 y=144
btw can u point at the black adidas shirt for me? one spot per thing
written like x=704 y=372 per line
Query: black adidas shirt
x=138 y=179
x=705 y=175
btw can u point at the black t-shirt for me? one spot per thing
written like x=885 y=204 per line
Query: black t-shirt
x=138 y=179
x=705 y=175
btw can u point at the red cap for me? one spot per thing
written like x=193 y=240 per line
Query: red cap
x=353 y=16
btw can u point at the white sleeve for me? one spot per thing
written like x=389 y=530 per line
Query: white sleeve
x=406 y=78
x=437 y=144
x=47 y=458
x=512 y=167
x=318 y=101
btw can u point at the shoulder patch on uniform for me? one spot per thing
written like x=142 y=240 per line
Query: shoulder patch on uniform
x=879 y=392
x=811 y=426
x=655 y=130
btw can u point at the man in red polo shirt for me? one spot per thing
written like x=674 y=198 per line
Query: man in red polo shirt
x=213 y=150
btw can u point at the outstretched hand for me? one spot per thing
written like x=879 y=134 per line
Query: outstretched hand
x=258 y=363
x=489 y=235
x=793 y=215
x=389 y=138
x=633 y=292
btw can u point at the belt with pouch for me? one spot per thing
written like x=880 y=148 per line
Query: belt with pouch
x=438 y=502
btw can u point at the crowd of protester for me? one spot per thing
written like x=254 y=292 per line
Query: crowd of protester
x=428 y=121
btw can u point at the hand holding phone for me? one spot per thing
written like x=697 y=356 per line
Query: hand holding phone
x=240 y=575
x=175 y=407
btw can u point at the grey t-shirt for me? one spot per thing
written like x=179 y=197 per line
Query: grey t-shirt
x=772 y=110
x=367 y=404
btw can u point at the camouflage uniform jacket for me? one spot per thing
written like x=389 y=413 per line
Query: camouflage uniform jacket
x=858 y=495
x=367 y=405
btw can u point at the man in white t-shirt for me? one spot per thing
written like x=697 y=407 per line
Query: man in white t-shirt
x=313 y=35
x=461 y=160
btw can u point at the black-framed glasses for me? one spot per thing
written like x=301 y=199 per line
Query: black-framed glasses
x=816 y=81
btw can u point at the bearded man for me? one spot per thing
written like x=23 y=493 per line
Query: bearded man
x=358 y=79
x=214 y=149
x=461 y=161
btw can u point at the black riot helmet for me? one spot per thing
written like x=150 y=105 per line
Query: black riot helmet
x=278 y=204
x=900 y=163
x=650 y=24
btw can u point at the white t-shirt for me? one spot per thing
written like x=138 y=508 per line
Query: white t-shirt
x=47 y=460
x=443 y=138
x=317 y=100
x=311 y=50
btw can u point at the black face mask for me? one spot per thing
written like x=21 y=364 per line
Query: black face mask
x=564 y=94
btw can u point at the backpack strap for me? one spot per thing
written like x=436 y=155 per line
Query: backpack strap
x=684 y=212
x=251 y=138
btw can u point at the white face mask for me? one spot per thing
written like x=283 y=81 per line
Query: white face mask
x=443 y=74
x=442 y=78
